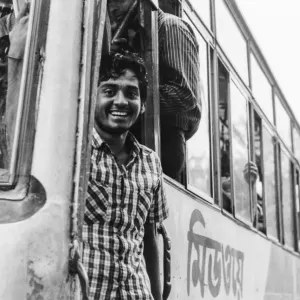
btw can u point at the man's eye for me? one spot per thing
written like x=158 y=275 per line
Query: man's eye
x=109 y=92
x=133 y=94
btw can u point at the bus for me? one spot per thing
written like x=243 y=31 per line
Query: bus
x=234 y=213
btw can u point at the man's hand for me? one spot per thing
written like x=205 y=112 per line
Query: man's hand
x=19 y=33
x=250 y=172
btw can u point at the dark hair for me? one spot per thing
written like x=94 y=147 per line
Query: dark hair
x=115 y=64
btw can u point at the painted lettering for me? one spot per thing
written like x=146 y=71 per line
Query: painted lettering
x=214 y=263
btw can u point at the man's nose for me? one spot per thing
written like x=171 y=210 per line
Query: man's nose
x=120 y=99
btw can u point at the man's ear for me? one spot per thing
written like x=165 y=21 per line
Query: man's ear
x=143 y=108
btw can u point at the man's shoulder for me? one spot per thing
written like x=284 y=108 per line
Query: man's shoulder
x=148 y=153
x=168 y=19
x=172 y=22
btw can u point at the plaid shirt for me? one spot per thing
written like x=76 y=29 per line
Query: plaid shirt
x=119 y=201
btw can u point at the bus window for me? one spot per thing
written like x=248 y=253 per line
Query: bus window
x=296 y=140
x=297 y=206
x=198 y=147
x=6 y=23
x=203 y=9
x=224 y=138
x=9 y=98
x=269 y=184
x=18 y=97
x=240 y=157
x=261 y=88
x=283 y=123
x=287 y=200
x=231 y=39
x=259 y=184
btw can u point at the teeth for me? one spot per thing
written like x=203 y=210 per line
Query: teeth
x=118 y=113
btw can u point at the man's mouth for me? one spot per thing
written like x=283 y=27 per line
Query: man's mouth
x=119 y=113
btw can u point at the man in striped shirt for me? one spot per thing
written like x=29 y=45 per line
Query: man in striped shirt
x=125 y=198
x=180 y=102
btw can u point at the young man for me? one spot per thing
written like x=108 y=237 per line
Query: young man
x=180 y=103
x=125 y=196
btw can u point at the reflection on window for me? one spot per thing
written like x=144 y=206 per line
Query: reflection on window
x=198 y=147
x=259 y=184
x=270 y=184
x=6 y=23
x=283 y=123
x=296 y=138
x=287 y=200
x=203 y=9
x=297 y=206
x=9 y=96
x=231 y=40
x=261 y=88
x=240 y=155
x=224 y=139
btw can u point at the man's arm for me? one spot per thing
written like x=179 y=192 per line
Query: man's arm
x=151 y=256
x=179 y=66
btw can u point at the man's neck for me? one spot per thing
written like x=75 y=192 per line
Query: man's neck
x=116 y=142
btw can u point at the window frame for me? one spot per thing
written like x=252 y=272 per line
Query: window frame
x=20 y=162
x=233 y=81
x=195 y=22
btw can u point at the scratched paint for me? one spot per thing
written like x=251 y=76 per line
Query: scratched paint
x=35 y=283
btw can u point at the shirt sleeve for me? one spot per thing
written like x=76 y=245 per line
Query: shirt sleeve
x=179 y=66
x=159 y=210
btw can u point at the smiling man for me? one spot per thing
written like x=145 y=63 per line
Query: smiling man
x=125 y=198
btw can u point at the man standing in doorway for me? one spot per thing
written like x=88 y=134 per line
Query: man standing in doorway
x=125 y=197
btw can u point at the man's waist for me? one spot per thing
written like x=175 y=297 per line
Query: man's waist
x=187 y=123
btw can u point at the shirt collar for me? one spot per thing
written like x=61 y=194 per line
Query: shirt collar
x=134 y=145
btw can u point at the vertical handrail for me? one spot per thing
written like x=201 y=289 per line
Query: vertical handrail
x=167 y=261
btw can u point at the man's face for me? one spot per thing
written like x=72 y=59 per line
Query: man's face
x=118 y=103
x=117 y=10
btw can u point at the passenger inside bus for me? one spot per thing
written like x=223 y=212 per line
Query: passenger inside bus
x=180 y=103
x=250 y=169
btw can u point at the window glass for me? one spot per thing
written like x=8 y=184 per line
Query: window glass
x=226 y=184
x=296 y=138
x=9 y=98
x=6 y=25
x=283 y=123
x=261 y=88
x=259 y=183
x=203 y=9
x=198 y=147
x=231 y=40
x=240 y=155
x=296 y=187
x=287 y=200
x=270 y=184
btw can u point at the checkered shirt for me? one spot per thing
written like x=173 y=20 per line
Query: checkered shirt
x=118 y=203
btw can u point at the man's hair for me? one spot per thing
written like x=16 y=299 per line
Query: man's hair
x=115 y=64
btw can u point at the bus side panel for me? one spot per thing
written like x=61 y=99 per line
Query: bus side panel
x=35 y=252
x=283 y=275
x=215 y=258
